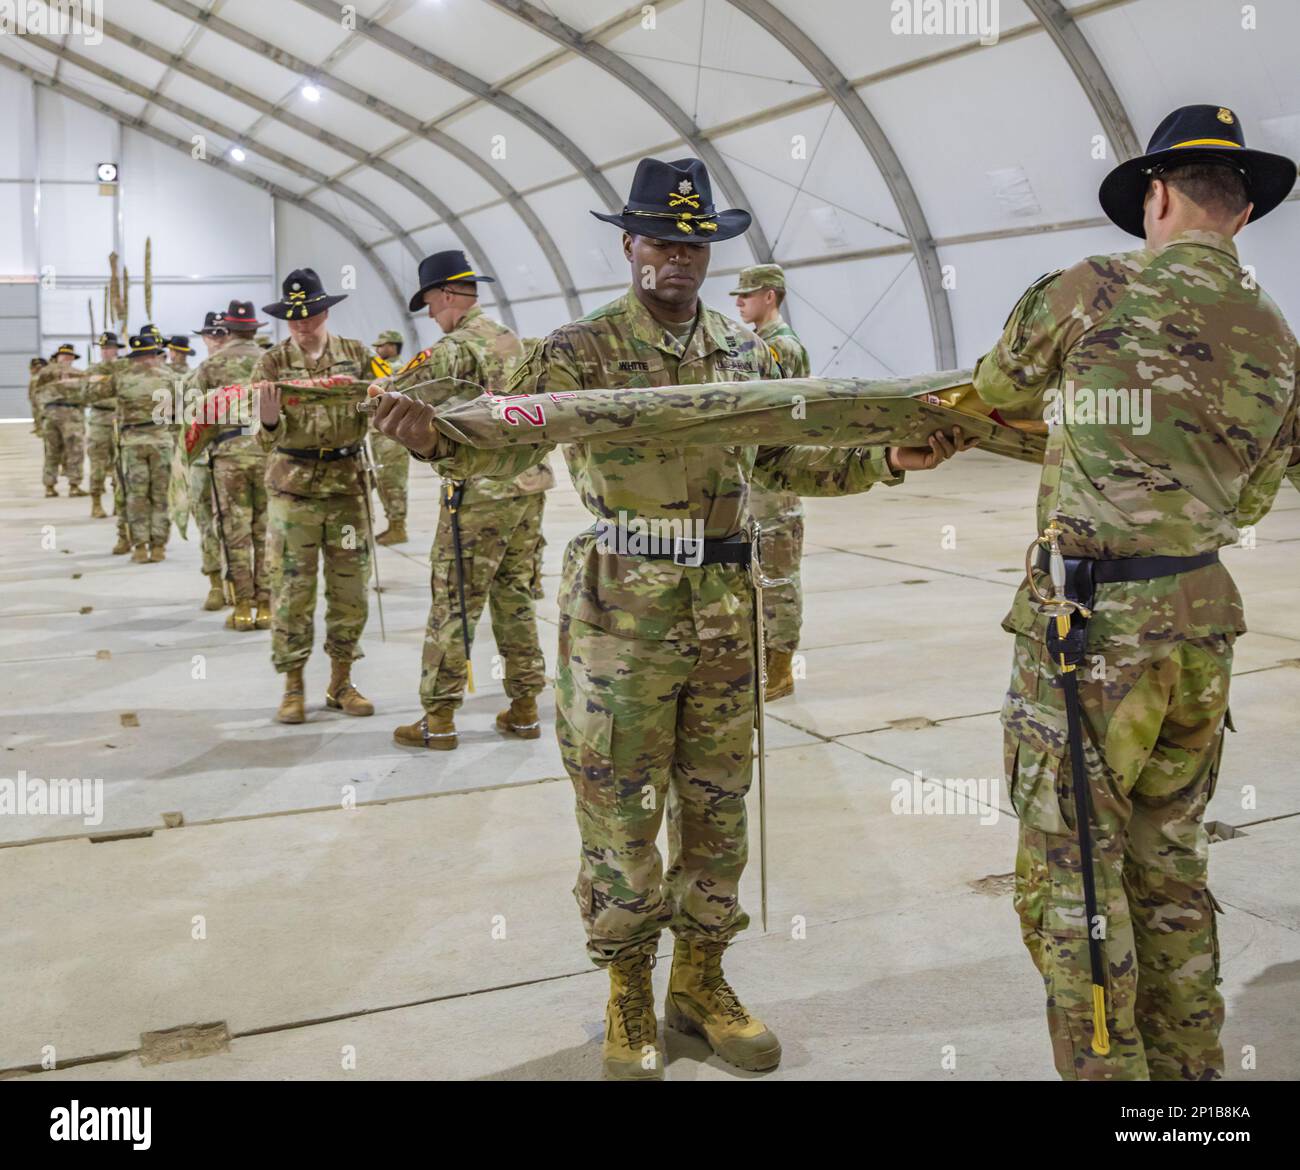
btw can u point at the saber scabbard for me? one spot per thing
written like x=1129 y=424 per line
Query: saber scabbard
x=1066 y=641
x=758 y=582
x=452 y=494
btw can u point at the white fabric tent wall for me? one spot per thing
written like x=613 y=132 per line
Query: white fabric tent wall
x=963 y=119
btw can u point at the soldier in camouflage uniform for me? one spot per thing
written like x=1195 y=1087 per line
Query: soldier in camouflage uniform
x=316 y=501
x=759 y=295
x=59 y=393
x=654 y=687
x=393 y=461
x=143 y=396
x=101 y=417
x=238 y=467
x=1192 y=448
x=179 y=352
x=499 y=520
x=34 y=367
x=198 y=473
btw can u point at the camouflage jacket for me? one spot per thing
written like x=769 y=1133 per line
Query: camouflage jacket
x=231 y=365
x=59 y=382
x=699 y=490
x=99 y=383
x=769 y=507
x=145 y=400
x=481 y=351
x=1169 y=383
x=304 y=426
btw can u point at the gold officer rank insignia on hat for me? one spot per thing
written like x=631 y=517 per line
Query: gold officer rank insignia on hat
x=1225 y=116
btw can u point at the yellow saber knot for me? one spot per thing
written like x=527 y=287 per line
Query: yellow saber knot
x=1100 y=1033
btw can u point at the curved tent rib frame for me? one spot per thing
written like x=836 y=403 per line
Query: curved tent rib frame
x=438 y=138
x=342 y=145
x=779 y=26
x=550 y=26
x=276 y=191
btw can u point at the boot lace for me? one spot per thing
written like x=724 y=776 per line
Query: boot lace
x=634 y=1004
x=715 y=983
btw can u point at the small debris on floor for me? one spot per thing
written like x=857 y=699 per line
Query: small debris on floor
x=188 y=1042
x=912 y=723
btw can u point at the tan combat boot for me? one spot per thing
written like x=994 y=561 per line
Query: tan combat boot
x=631 y=1050
x=241 y=618
x=50 y=490
x=96 y=508
x=157 y=552
x=395 y=533
x=701 y=1001
x=780 y=675
x=74 y=489
x=140 y=554
x=521 y=720
x=216 y=598
x=263 y=620
x=435 y=730
x=122 y=546
x=342 y=695
x=291 y=708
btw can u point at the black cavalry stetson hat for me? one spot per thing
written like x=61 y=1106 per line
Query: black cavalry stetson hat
x=66 y=348
x=1196 y=134
x=240 y=317
x=151 y=331
x=143 y=344
x=180 y=343
x=108 y=337
x=450 y=267
x=302 y=296
x=213 y=325
x=674 y=201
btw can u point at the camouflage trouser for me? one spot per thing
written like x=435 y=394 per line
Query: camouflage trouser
x=642 y=724
x=394 y=468
x=301 y=532
x=241 y=488
x=1153 y=736
x=147 y=464
x=205 y=519
x=64 y=431
x=103 y=461
x=501 y=542
x=99 y=443
x=781 y=552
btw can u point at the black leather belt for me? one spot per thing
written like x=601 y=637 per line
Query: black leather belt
x=103 y=409
x=686 y=551
x=321 y=454
x=1084 y=574
x=49 y=404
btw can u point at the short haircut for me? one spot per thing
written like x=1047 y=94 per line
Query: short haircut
x=1218 y=188
x=780 y=296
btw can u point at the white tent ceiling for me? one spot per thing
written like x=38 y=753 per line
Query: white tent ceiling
x=871 y=160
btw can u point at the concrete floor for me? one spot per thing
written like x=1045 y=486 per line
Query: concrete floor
x=348 y=908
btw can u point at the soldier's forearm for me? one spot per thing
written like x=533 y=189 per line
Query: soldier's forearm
x=824 y=471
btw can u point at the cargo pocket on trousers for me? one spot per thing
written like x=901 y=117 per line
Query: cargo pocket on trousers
x=592 y=724
x=1036 y=743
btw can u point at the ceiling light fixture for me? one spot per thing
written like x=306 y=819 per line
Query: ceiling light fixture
x=311 y=93
x=237 y=155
